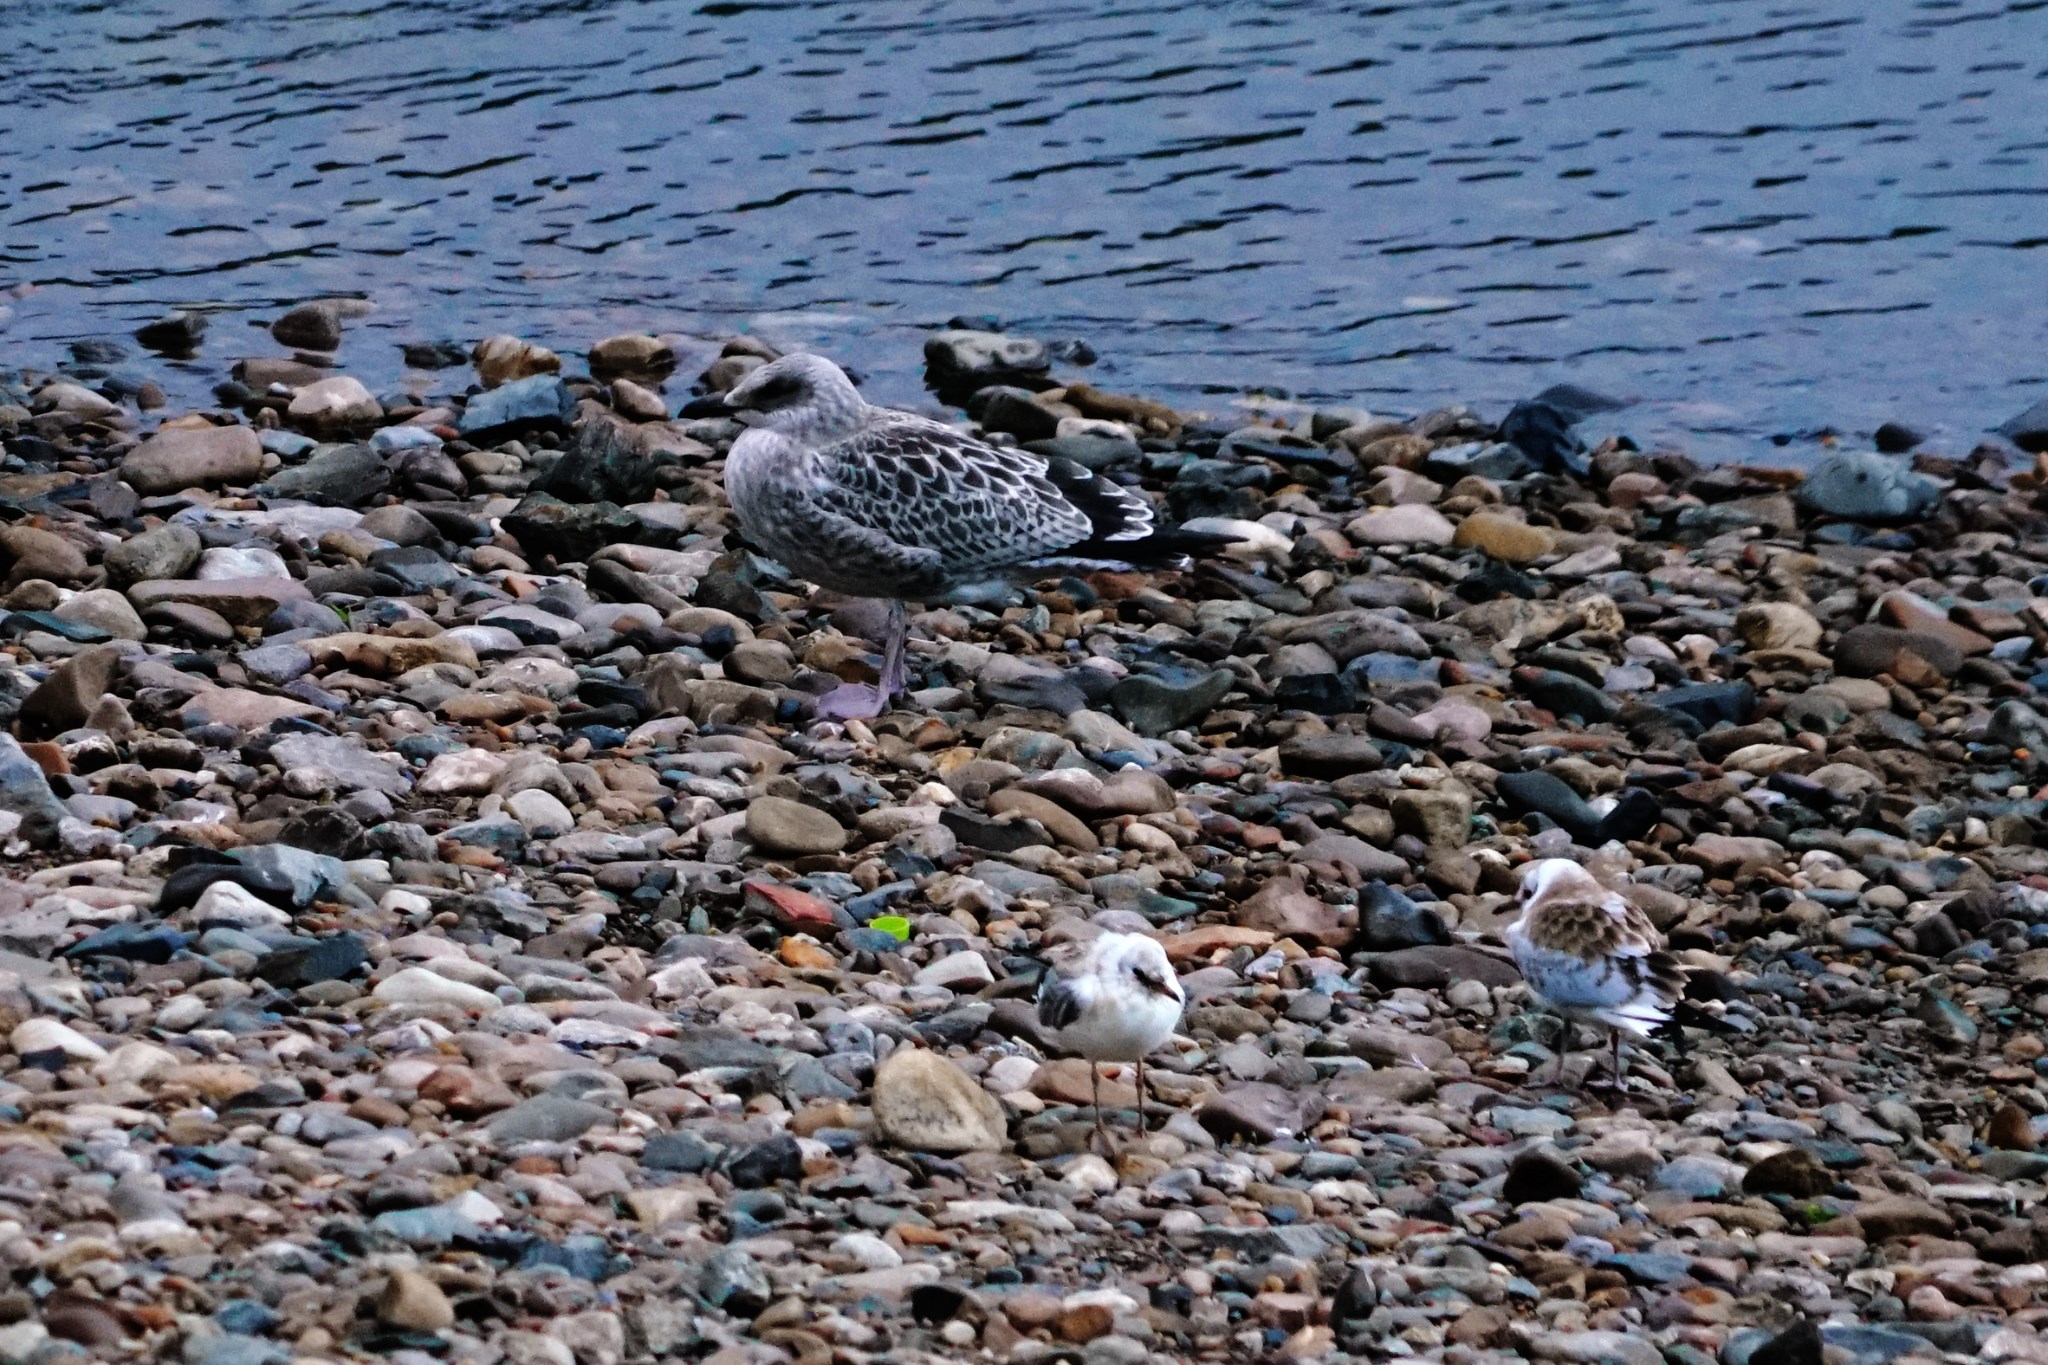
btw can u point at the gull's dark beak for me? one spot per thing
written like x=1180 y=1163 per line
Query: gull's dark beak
x=715 y=406
x=1152 y=982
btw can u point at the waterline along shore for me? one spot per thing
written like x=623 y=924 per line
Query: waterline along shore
x=436 y=924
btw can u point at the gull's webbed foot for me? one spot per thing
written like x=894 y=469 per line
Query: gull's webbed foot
x=853 y=701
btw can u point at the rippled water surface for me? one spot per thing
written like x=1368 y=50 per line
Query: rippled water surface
x=1756 y=216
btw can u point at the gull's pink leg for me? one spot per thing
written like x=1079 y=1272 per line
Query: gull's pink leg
x=1141 y=1095
x=895 y=672
x=1095 y=1081
x=865 y=701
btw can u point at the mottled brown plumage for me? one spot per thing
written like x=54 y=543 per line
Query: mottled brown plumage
x=878 y=503
x=1591 y=956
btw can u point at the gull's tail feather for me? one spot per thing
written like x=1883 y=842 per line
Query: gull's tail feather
x=1685 y=1014
x=1123 y=530
x=1640 y=1017
x=1114 y=512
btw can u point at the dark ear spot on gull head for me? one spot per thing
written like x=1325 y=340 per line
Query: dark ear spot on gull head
x=767 y=389
x=1547 y=874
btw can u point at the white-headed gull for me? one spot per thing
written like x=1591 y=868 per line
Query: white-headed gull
x=1591 y=956
x=1118 y=1003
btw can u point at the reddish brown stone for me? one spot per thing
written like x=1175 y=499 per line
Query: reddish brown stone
x=1197 y=944
x=2011 y=1129
x=378 y=1110
x=1284 y=908
x=1910 y=611
x=48 y=757
x=465 y=1093
x=1085 y=1322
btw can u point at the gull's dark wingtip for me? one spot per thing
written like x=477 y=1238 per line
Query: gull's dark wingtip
x=1058 y=1003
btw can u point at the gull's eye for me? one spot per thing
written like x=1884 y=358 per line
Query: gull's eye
x=777 y=393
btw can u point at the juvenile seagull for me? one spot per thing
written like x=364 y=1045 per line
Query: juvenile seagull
x=1592 y=957
x=1121 y=1001
x=872 y=502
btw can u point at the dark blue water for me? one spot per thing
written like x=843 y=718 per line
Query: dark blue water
x=1756 y=217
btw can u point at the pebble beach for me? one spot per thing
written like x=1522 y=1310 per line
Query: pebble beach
x=435 y=926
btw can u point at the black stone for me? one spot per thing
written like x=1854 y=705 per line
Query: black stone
x=175 y=334
x=354 y=580
x=1794 y=1172
x=428 y=472
x=325 y=829
x=1495 y=580
x=152 y=943
x=346 y=476
x=605 y=693
x=1803 y=790
x=435 y=355
x=1434 y=966
x=98 y=352
x=1566 y=695
x=602 y=465
x=764 y=1163
x=1388 y=920
x=418 y=567
x=1576 y=403
x=2029 y=430
x=303 y=964
x=1325 y=694
x=1799 y=1344
x=545 y=525
x=1356 y=1299
x=1543 y=432
x=992 y=836
x=1709 y=704
x=269 y=1095
x=1042 y=692
x=934 y=1304
x=183 y=887
x=956 y=1027
x=1153 y=703
x=1894 y=438
x=1635 y=813
x=1006 y=408
x=1538 y=1176
x=1936 y=936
